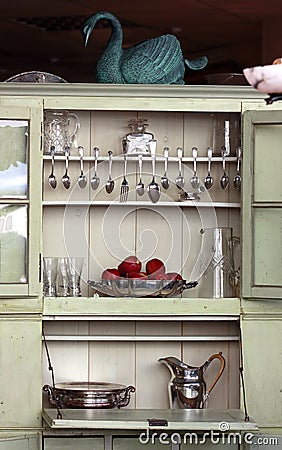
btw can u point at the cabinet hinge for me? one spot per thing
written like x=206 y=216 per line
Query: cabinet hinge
x=39 y=265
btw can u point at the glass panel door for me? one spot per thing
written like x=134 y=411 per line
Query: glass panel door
x=20 y=199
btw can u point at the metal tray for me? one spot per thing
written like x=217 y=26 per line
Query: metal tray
x=136 y=287
x=88 y=395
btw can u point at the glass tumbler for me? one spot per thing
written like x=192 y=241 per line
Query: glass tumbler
x=74 y=270
x=50 y=265
x=62 y=278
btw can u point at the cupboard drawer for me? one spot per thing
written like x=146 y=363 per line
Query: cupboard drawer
x=74 y=443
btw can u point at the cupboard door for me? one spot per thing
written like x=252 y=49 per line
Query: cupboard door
x=262 y=205
x=20 y=443
x=262 y=369
x=20 y=187
x=20 y=372
x=74 y=443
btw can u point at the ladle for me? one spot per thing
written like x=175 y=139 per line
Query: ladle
x=237 y=178
x=153 y=188
x=66 y=179
x=140 y=188
x=82 y=179
x=209 y=179
x=52 y=179
x=95 y=180
x=195 y=181
x=179 y=181
x=110 y=184
x=164 y=179
x=224 y=181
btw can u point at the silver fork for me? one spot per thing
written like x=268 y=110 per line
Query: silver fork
x=124 y=189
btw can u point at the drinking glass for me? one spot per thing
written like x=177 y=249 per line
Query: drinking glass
x=74 y=270
x=62 y=278
x=50 y=265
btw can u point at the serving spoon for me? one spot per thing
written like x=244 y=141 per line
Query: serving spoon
x=110 y=184
x=82 y=179
x=237 y=179
x=95 y=180
x=195 y=181
x=52 y=179
x=140 y=187
x=209 y=179
x=164 y=179
x=179 y=179
x=65 y=178
x=153 y=188
x=224 y=181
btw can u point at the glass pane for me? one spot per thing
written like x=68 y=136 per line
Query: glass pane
x=267 y=246
x=13 y=243
x=13 y=158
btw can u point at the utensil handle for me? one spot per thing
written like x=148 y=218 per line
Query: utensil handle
x=80 y=151
x=239 y=150
x=179 y=155
x=96 y=153
x=195 y=155
x=140 y=161
x=52 y=151
x=110 y=153
x=67 y=154
x=166 y=151
x=209 y=159
x=125 y=164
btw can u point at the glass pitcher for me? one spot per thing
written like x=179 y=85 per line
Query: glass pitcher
x=60 y=130
x=220 y=277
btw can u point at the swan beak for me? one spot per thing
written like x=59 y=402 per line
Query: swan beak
x=86 y=31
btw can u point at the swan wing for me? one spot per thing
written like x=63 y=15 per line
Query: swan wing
x=155 y=61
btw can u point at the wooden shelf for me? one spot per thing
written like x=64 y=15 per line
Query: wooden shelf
x=134 y=419
x=105 y=308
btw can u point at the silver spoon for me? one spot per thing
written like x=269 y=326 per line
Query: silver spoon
x=179 y=181
x=237 y=178
x=209 y=179
x=82 y=179
x=66 y=178
x=52 y=179
x=110 y=184
x=153 y=188
x=164 y=179
x=224 y=181
x=140 y=188
x=95 y=180
x=195 y=181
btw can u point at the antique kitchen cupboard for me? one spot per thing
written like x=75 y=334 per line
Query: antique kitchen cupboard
x=121 y=339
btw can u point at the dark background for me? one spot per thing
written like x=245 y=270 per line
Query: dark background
x=44 y=35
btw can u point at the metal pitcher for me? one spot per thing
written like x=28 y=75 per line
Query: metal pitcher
x=187 y=387
x=220 y=277
x=60 y=130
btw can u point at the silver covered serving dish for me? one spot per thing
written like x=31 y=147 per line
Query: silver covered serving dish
x=137 y=287
x=89 y=395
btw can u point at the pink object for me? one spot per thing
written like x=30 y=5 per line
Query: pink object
x=267 y=79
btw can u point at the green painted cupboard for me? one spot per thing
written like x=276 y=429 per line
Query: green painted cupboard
x=120 y=339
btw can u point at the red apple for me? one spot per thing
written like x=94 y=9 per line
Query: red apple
x=110 y=274
x=129 y=264
x=173 y=276
x=136 y=275
x=155 y=265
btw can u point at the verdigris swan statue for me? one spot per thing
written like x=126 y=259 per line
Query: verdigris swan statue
x=154 y=61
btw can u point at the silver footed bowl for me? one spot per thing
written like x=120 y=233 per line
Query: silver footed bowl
x=137 y=287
